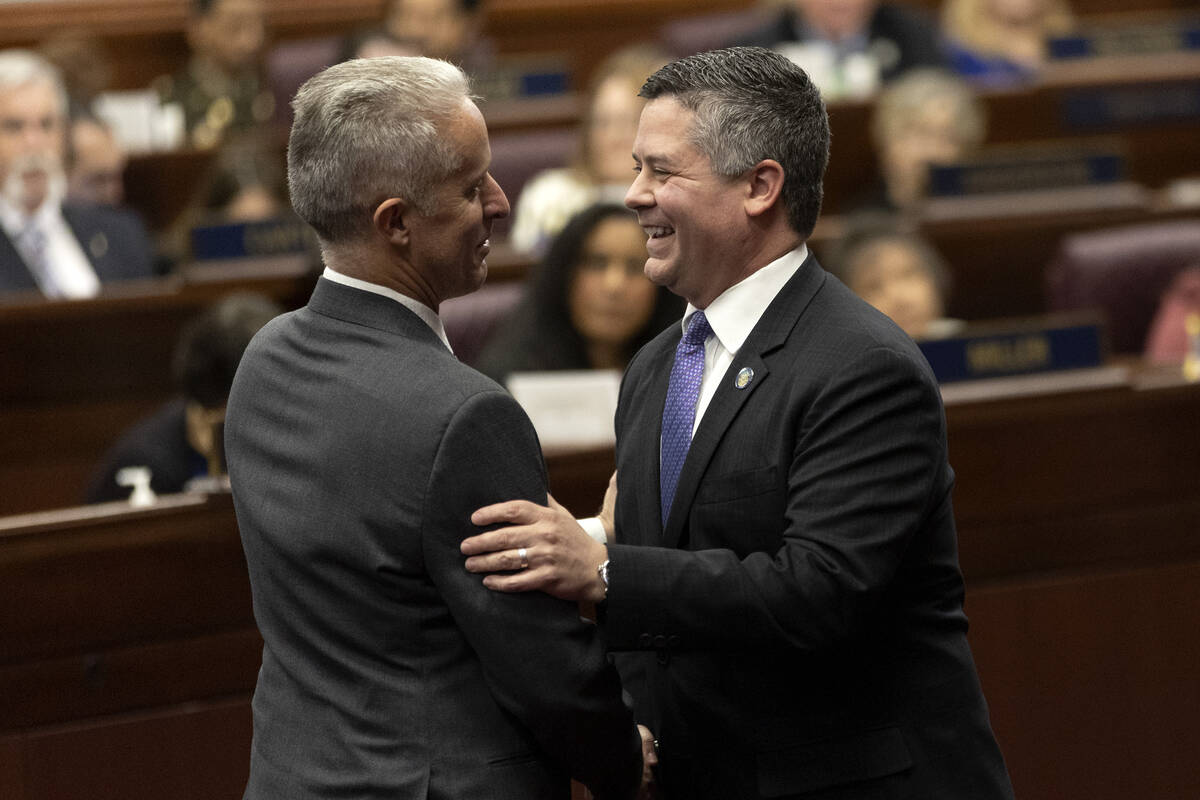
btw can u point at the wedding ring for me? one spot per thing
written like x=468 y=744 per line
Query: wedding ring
x=523 y=554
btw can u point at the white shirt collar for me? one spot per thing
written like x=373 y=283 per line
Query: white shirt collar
x=738 y=309
x=427 y=314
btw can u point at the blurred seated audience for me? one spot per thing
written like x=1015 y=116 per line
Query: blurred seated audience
x=603 y=166
x=221 y=90
x=850 y=47
x=374 y=43
x=47 y=244
x=95 y=163
x=927 y=117
x=182 y=440
x=447 y=29
x=998 y=42
x=894 y=269
x=84 y=64
x=1175 y=332
x=247 y=183
x=588 y=304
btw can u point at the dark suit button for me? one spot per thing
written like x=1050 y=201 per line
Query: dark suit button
x=645 y=640
x=672 y=641
x=660 y=641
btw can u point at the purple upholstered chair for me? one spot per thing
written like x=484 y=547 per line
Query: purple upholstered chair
x=689 y=35
x=518 y=156
x=1123 y=272
x=290 y=64
x=471 y=320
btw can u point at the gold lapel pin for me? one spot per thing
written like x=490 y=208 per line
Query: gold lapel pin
x=743 y=378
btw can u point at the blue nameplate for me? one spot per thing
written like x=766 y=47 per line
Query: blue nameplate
x=249 y=240
x=1046 y=171
x=1122 y=106
x=1017 y=352
x=1127 y=41
x=534 y=84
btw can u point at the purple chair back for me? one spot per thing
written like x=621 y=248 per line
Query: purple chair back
x=471 y=320
x=518 y=156
x=1123 y=272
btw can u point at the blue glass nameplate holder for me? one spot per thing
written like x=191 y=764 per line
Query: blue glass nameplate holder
x=1026 y=347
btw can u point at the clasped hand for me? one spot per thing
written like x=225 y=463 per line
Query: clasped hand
x=540 y=548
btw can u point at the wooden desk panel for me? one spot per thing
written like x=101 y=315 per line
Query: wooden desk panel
x=76 y=374
x=1084 y=635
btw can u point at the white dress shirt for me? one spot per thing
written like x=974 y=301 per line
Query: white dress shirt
x=69 y=272
x=427 y=314
x=731 y=316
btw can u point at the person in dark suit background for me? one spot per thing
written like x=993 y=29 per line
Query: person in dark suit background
x=782 y=573
x=357 y=447
x=60 y=249
x=851 y=46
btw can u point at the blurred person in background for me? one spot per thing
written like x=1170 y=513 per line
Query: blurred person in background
x=246 y=184
x=928 y=117
x=84 y=64
x=221 y=89
x=61 y=249
x=589 y=304
x=182 y=440
x=850 y=47
x=95 y=163
x=374 y=43
x=445 y=29
x=1174 y=334
x=898 y=272
x=996 y=42
x=603 y=166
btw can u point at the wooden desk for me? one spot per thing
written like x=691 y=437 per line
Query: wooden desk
x=1156 y=150
x=127 y=651
x=997 y=257
x=76 y=374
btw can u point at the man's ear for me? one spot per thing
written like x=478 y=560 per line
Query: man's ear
x=764 y=186
x=390 y=223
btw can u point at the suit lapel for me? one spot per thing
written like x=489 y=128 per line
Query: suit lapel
x=640 y=437
x=14 y=275
x=768 y=335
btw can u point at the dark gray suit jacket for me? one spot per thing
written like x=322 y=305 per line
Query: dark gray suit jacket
x=800 y=620
x=358 y=446
x=114 y=241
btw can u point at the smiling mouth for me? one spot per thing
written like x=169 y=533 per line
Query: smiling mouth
x=657 y=231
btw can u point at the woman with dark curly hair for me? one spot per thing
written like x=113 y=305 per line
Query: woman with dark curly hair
x=588 y=304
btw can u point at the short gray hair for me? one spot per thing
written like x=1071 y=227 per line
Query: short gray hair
x=366 y=130
x=753 y=104
x=22 y=67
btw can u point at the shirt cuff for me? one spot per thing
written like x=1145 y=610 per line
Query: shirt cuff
x=594 y=528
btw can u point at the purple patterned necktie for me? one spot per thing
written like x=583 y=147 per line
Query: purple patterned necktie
x=679 y=413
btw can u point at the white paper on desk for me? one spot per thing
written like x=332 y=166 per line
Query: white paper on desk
x=569 y=408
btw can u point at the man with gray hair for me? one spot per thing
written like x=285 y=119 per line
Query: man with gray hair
x=783 y=567
x=48 y=246
x=357 y=447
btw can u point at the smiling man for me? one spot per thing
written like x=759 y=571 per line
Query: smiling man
x=783 y=571
x=357 y=447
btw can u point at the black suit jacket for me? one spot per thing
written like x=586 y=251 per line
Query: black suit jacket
x=800 y=620
x=114 y=241
x=357 y=447
x=902 y=38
